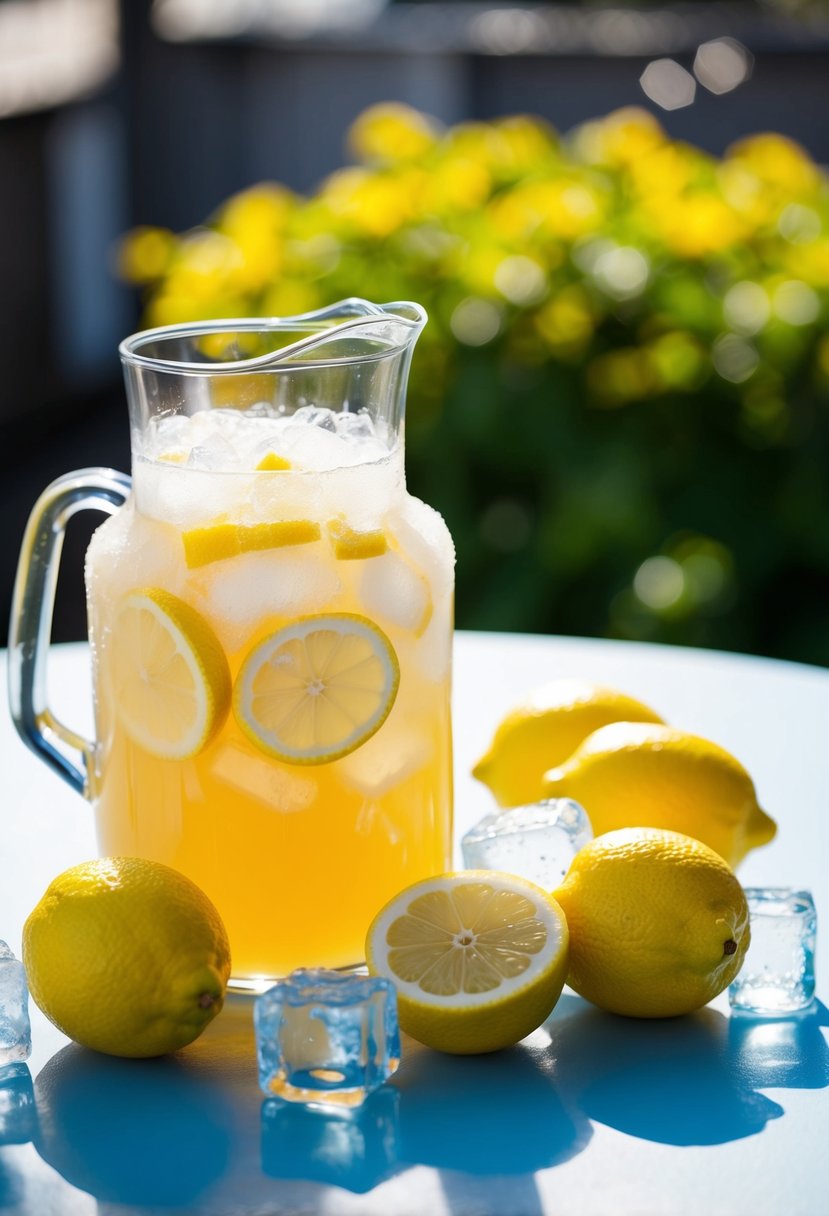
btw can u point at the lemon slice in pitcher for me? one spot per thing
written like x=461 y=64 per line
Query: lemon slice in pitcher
x=478 y=958
x=171 y=679
x=318 y=688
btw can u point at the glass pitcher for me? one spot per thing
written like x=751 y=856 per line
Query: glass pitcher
x=270 y=619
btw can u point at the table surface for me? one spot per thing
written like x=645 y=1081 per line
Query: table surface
x=591 y=1114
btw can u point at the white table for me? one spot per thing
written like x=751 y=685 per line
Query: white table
x=591 y=1115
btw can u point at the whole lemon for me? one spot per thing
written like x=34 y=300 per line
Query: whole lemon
x=658 y=923
x=633 y=774
x=544 y=730
x=126 y=956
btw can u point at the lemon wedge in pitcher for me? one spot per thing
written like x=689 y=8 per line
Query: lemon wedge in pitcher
x=318 y=688
x=478 y=958
x=171 y=680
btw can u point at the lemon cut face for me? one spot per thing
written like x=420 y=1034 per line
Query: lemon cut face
x=317 y=689
x=478 y=958
x=171 y=680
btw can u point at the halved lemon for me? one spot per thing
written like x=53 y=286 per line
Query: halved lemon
x=318 y=688
x=171 y=680
x=478 y=958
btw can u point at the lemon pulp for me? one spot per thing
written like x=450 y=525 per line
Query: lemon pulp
x=318 y=688
x=171 y=678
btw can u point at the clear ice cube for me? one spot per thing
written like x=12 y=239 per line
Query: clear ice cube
x=326 y=1037
x=315 y=415
x=17 y=1105
x=355 y=427
x=390 y=588
x=536 y=842
x=15 y=1031
x=778 y=972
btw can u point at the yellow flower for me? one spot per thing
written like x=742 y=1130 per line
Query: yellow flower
x=677 y=360
x=620 y=139
x=809 y=262
x=144 y=254
x=663 y=170
x=620 y=376
x=376 y=204
x=509 y=147
x=290 y=298
x=698 y=225
x=566 y=321
x=778 y=162
x=565 y=208
x=255 y=220
x=392 y=133
x=457 y=183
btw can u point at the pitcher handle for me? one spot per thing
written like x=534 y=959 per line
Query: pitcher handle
x=31 y=619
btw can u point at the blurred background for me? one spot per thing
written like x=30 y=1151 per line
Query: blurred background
x=616 y=217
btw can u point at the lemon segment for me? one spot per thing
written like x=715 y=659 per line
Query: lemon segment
x=171 y=680
x=317 y=689
x=272 y=462
x=479 y=959
x=350 y=544
x=126 y=956
x=217 y=542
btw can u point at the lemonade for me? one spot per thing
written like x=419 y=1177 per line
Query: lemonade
x=261 y=546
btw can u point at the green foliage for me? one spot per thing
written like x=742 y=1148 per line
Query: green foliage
x=621 y=402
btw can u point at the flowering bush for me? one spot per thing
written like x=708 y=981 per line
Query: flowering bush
x=620 y=403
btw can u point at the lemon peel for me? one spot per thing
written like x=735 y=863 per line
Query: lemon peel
x=126 y=956
x=658 y=923
x=651 y=775
x=544 y=730
x=352 y=544
x=220 y=541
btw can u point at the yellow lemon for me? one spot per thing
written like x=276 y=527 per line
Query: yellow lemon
x=644 y=775
x=126 y=956
x=544 y=730
x=171 y=681
x=658 y=923
x=478 y=959
x=318 y=688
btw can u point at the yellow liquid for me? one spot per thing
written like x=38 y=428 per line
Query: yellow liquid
x=297 y=858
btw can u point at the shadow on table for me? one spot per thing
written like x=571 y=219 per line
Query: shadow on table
x=683 y=1081
x=166 y=1132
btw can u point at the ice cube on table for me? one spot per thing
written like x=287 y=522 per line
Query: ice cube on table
x=326 y=1037
x=536 y=842
x=778 y=972
x=17 y=1105
x=15 y=1031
